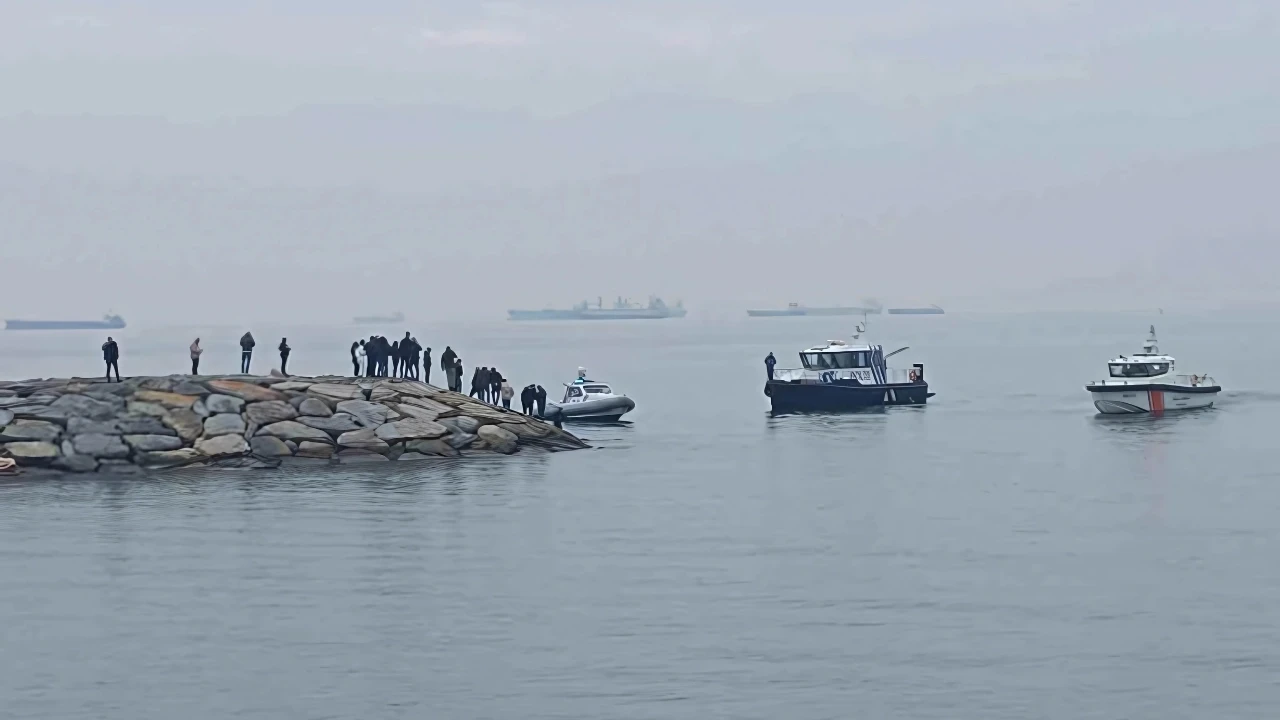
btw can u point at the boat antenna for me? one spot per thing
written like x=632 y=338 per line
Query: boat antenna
x=1149 y=347
x=859 y=329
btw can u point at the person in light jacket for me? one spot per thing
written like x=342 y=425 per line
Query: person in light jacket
x=507 y=392
x=196 y=352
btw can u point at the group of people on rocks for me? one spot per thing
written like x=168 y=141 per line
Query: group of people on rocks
x=376 y=357
x=488 y=385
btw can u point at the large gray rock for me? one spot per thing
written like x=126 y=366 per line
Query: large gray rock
x=368 y=414
x=461 y=440
x=152 y=443
x=76 y=463
x=33 y=452
x=171 y=458
x=6 y=417
x=314 y=450
x=426 y=404
x=498 y=440
x=527 y=431
x=246 y=391
x=273 y=411
x=335 y=425
x=363 y=439
x=461 y=424
x=295 y=431
x=336 y=392
x=200 y=408
x=102 y=447
x=268 y=446
x=143 y=426
x=224 y=424
x=81 y=426
x=435 y=448
x=32 y=401
x=179 y=384
x=358 y=455
x=291 y=386
x=414 y=411
x=137 y=407
x=167 y=400
x=85 y=407
x=223 y=446
x=314 y=407
x=223 y=404
x=411 y=429
x=30 y=431
x=187 y=423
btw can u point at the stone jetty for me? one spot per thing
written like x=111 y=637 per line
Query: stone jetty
x=160 y=423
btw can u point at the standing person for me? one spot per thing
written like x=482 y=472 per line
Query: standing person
x=355 y=361
x=495 y=385
x=111 y=354
x=284 y=356
x=406 y=355
x=196 y=352
x=507 y=393
x=769 y=362
x=449 y=366
x=477 y=385
x=540 y=395
x=246 y=352
x=360 y=359
x=426 y=366
x=457 y=374
x=384 y=356
x=371 y=356
x=527 y=396
x=415 y=362
x=395 y=359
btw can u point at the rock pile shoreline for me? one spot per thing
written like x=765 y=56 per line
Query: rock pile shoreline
x=161 y=423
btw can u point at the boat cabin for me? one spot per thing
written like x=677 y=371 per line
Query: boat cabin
x=579 y=392
x=1140 y=366
x=836 y=355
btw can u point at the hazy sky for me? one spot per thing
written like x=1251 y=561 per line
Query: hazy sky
x=477 y=156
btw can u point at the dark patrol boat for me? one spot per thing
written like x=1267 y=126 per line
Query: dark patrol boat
x=841 y=377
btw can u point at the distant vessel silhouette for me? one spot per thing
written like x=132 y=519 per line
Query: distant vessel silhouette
x=797 y=310
x=621 y=310
x=379 y=319
x=108 y=322
x=931 y=310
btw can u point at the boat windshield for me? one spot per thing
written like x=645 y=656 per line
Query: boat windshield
x=836 y=360
x=597 y=390
x=1132 y=370
x=572 y=391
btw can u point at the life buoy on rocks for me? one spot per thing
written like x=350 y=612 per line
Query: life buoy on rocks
x=914 y=377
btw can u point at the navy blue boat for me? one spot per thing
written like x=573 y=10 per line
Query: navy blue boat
x=840 y=377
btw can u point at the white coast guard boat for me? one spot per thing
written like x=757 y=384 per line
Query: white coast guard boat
x=1146 y=382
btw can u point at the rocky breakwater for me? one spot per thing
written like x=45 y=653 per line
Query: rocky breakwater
x=247 y=421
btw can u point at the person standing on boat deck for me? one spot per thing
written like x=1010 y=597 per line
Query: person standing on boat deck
x=507 y=393
x=196 y=351
x=284 y=356
x=246 y=352
x=111 y=354
x=769 y=362
x=426 y=366
x=540 y=395
x=457 y=374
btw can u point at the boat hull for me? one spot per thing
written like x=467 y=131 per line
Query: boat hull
x=605 y=410
x=1152 y=399
x=842 y=396
x=62 y=325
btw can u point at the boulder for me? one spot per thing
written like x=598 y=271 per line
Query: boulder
x=426 y=404
x=435 y=448
x=170 y=458
x=76 y=463
x=245 y=391
x=461 y=440
x=314 y=450
x=30 y=401
x=171 y=401
x=411 y=429
x=383 y=393
x=268 y=446
x=293 y=446
x=271 y=411
x=85 y=407
x=223 y=404
x=143 y=426
x=414 y=411
x=30 y=431
x=529 y=431
x=291 y=385
x=313 y=408
x=199 y=408
x=6 y=417
x=33 y=452
x=412 y=457
x=102 y=447
x=363 y=439
x=498 y=440
x=152 y=443
x=335 y=425
x=413 y=388
x=357 y=455
x=187 y=423
x=179 y=384
x=368 y=414
x=460 y=424
x=336 y=392
x=224 y=424
x=223 y=446
x=295 y=431
x=80 y=426
x=145 y=408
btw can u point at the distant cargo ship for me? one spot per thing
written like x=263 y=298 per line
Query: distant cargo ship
x=108 y=322
x=931 y=310
x=379 y=319
x=796 y=310
x=621 y=310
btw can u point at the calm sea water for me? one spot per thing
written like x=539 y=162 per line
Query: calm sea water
x=1003 y=553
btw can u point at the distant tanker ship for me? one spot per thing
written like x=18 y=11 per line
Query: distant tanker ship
x=621 y=310
x=796 y=310
x=931 y=310
x=108 y=322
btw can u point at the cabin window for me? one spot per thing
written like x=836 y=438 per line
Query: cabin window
x=1138 y=370
x=597 y=390
x=574 y=392
x=810 y=360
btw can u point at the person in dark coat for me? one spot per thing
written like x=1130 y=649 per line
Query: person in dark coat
x=528 y=396
x=426 y=366
x=111 y=354
x=371 y=356
x=395 y=359
x=246 y=352
x=457 y=374
x=769 y=362
x=540 y=395
x=407 y=354
x=495 y=385
x=355 y=361
x=448 y=365
x=284 y=356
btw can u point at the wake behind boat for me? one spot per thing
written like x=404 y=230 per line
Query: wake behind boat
x=1145 y=382
x=840 y=377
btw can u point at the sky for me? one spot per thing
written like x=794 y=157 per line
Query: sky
x=283 y=159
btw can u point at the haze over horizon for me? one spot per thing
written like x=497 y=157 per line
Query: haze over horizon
x=314 y=161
